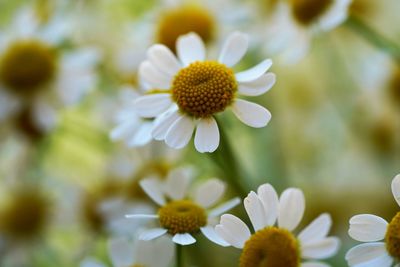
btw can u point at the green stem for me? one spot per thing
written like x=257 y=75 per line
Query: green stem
x=375 y=38
x=179 y=255
x=225 y=159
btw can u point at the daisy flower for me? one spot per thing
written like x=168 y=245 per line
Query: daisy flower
x=192 y=90
x=131 y=128
x=295 y=22
x=125 y=253
x=180 y=216
x=36 y=77
x=272 y=245
x=373 y=229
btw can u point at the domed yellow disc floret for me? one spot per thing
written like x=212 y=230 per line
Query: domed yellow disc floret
x=394 y=87
x=271 y=247
x=204 y=88
x=392 y=237
x=27 y=66
x=182 y=20
x=308 y=11
x=182 y=216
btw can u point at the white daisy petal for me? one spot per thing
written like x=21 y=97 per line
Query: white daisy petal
x=153 y=189
x=209 y=192
x=183 y=239
x=180 y=132
x=190 y=48
x=269 y=199
x=367 y=228
x=314 y=264
x=163 y=59
x=142 y=136
x=369 y=255
x=255 y=211
x=234 y=48
x=91 y=263
x=141 y=216
x=123 y=130
x=224 y=207
x=177 y=183
x=154 y=77
x=207 y=135
x=291 y=208
x=209 y=232
x=251 y=114
x=254 y=72
x=163 y=122
x=316 y=230
x=396 y=188
x=258 y=86
x=320 y=249
x=120 y=252
x=150 y=106
x=151 y=234
x=233 y=230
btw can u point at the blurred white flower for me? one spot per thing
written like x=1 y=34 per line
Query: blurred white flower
x=182 y=217
x=373 y=229
x=277 y=245
x=35 y=75
x=294 y=23
x=123 y=253
x=192 y=90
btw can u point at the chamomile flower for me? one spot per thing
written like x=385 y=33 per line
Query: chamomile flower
x=124 y=253
x=295 y=22
x=382 y=244
x=272 y=245
x=36 y=77
x=192 y=90
x=131 y=128
x=180 y=216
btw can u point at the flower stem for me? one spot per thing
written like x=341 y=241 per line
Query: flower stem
x=375 y=38
x=225 y=159
x=179 y=255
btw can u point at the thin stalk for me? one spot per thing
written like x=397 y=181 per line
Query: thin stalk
x=179 y=255
x=225 y=159
x=375 y=38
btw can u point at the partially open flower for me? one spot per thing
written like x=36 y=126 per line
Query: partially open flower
x=273 y=246
x=382 y=242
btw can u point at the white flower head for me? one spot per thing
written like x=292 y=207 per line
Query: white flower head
x=192 y=90
x=277 y=245
x=180 y=216
x=124 y=253
x=36 y=77
x=372 y=229
x=295 y=22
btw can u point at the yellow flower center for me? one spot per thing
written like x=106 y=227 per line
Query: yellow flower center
x=182 y=20
x=271 y=247
x=26 y=215
x=204 y=88
x=27 y=66
x=392 y=237
x=182 y=216
x=308 y=11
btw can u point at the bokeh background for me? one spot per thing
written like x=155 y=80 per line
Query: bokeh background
x=334 y=133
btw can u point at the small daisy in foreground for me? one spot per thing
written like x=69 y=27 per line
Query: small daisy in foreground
x=295 y=22
x=192 y=90
x=272 y=246
x=180 y=216
x=133 y=130
x=124 y=253
x=372 y=229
